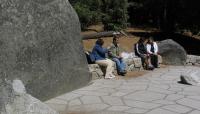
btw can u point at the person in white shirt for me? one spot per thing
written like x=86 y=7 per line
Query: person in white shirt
x=152 y=50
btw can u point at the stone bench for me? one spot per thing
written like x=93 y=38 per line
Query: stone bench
x=133 y=64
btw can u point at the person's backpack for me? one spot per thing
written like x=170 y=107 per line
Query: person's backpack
x=90 y=57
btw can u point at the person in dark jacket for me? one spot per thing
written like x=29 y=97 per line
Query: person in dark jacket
x=99 y=54
x=141 y=51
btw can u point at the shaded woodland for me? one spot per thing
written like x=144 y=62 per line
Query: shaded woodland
x=166 y=15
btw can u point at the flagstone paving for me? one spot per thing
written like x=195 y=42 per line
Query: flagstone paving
x=157 y=92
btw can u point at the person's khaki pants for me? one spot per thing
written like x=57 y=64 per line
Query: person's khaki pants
x=109 y=66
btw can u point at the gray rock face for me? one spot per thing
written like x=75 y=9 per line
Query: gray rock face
x=96 y=71
x=40 y=44
x=192 y=77
x=193 y=60
x=17 y=101
x=172 y=53
x=133 y=64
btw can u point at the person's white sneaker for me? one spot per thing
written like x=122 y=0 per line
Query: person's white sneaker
x=112 y=75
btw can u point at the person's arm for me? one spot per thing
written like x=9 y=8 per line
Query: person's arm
x=156 y=48
x=111 y=54
x=137 y=49
x=148 y=49
x=101 y=50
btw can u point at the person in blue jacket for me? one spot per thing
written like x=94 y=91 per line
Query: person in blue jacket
x=99 y=54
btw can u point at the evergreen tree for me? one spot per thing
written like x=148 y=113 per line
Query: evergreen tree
x=115 y=14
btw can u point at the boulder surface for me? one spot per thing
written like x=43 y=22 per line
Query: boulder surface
x=172 y=53
x=40 y=44
x=15 y=100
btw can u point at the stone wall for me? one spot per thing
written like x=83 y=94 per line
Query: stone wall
x=40 y=44
x=193 y=60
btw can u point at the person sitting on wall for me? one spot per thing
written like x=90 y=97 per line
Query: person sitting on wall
x=141 y=51
x=115 y=54
x=99 y=54
x=152 y=50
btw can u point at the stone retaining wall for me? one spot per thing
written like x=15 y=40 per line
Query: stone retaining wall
x=193 y=60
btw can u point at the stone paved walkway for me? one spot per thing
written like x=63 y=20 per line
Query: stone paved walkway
x=156 y=92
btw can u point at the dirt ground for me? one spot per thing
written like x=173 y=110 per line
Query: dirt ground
x=126 y=42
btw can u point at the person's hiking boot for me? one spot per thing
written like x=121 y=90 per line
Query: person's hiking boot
x=150 y=67
x=122 y=73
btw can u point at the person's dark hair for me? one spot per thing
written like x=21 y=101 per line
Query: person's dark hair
x=150 y=39
x=115 y=38
x=141 y=40
x=100 y=41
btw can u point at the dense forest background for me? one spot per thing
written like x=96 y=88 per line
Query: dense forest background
x=166 y=15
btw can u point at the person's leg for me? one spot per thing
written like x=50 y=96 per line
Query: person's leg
x=154 y=60
x=118 y=64
x=150 y=66
x=110 y=68
x=123 y=65
x=108 y=64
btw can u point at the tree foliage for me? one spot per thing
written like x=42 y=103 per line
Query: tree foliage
x=112 y=13
x=167 y=15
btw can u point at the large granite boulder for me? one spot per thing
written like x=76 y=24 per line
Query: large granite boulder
x=191 y=77
x=40 y=44
x=15 y=100
x=172 y=53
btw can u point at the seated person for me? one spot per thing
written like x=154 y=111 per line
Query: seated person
x=152 y=50
x=141 y=51
x=115 y=54
x=99 y=54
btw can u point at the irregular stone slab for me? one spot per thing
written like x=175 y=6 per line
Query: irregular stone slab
x=90 y=100
x=106 y=112
x=195 y=112
x=17 y=101
x=136 y=110
x=177 y=108
x=114 y=101
x=161 y=111
x=190 y=103
x=87 y=108
x=168 y=50
x=118 y=108
x=91 y=93
x=40 y=44
x=74 y=102
x=158 y=90
x=194 y=97
x=57 y=101
x=139 y=104
x=174 y=97
x=68 y=96
x=164 y=102
x=145 y=96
